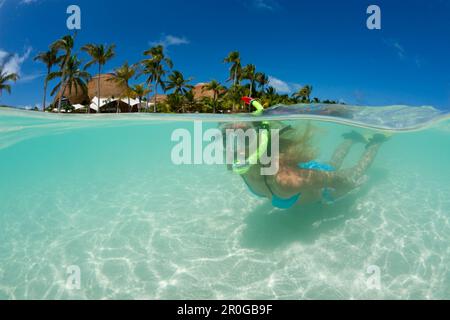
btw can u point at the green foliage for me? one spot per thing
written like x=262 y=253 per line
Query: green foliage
x=156 y=68
x=71 y=76
x=6 y=79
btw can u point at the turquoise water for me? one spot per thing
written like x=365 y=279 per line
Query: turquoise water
x=102 y=194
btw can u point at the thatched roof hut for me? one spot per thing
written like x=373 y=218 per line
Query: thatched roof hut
x=159 y=98
x=108 y=87
x=200 y=91
x=74 y=95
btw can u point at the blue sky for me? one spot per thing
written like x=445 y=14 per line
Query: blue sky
x=322 y=43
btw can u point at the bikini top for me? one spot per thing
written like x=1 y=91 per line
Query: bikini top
x=282 y=203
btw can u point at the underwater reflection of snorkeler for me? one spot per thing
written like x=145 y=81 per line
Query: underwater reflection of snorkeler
x=300 y=179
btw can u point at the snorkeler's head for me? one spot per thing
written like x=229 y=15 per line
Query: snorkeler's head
x=242 y=145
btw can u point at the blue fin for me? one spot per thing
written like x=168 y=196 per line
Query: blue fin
x=326 y=195
x=314 y=165
x=284 y=203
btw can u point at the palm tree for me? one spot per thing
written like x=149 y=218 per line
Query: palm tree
x=249 y=73
x=140 y=92
x=175 y=102
x=262 y=80
x=234 y=95
x=216 y=88
x=5 y=78
x=100 y=54
x=122 y=76
x=234 y=59
x=177 y=82
x=49 y=58
x=190 y=101
x=270 y=97
x=207 y=104
x=304 y=93
x=156 y=73
x=153 y=67
x=235 y=69
x=72 y=76
x=65 y=44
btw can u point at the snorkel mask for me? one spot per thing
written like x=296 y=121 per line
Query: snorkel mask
x=240 y=167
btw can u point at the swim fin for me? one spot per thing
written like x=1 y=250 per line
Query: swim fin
x=378 y=138
x=355 y=137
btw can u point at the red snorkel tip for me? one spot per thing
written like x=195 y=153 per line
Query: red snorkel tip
x=247 y=100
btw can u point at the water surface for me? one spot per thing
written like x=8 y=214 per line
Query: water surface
x=100 y=192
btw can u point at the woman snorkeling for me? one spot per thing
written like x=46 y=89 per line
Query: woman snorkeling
x=299 y=178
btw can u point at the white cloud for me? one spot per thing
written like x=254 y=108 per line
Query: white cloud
x=24 y=2
x=170 y=40
x=262 y=4
x=402 y=54
x=283 y=86
x=12 y=63
x=279 y=85
x=3 y=55
x=400 y=50
x=269 y=5
x=27 y=1
x=30 y=77
x=396 y=46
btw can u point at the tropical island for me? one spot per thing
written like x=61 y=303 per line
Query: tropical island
x=79 y=91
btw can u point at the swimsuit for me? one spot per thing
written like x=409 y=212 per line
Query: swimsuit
x=282 y=203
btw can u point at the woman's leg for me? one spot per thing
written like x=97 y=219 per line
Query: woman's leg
x=365 y=162
x=340 y=153
x=351 y=178
x=343 y=149
x=343 y=181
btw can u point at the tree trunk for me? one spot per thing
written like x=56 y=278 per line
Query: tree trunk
x=45 y=95
x=63 y=84
x=156 y=90
x=147 y=102
x=235 y=84
x=98 y=88
x=130 y=108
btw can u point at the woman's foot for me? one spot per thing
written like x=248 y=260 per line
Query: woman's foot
x=355 y=137
x=378 y=138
